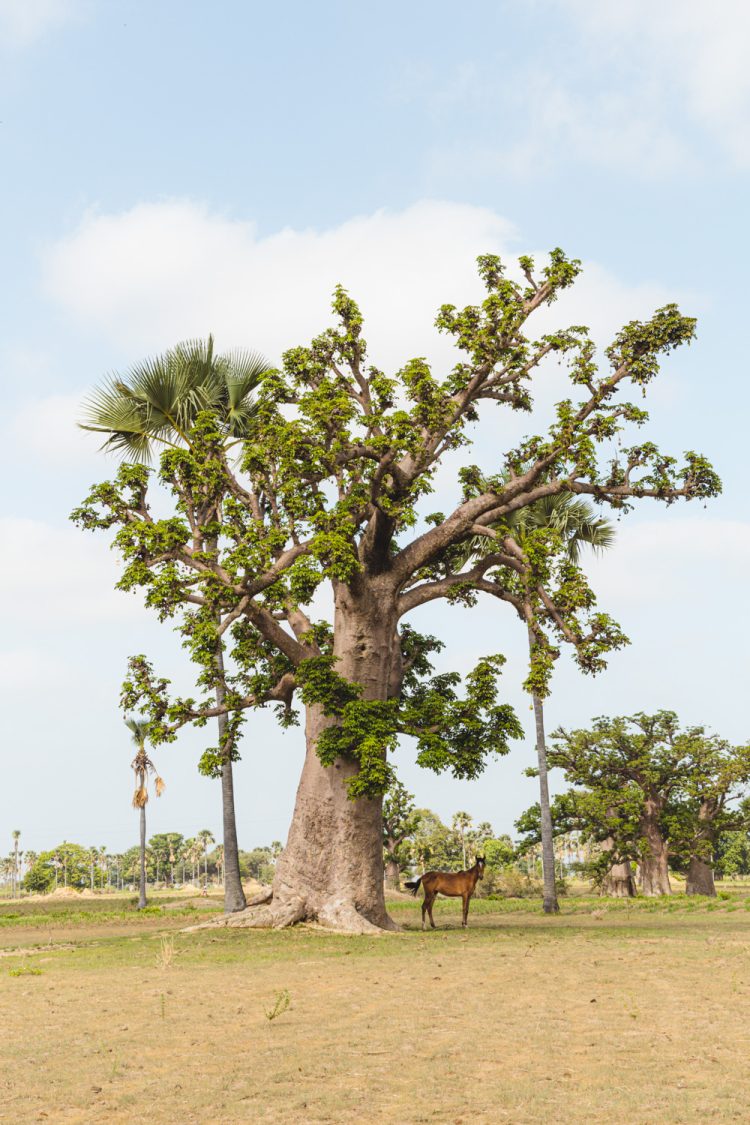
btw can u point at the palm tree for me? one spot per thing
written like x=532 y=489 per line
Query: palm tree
x=156 y=404
x=576 y=523
x=103 y=866
x=16 y=834
x=462 y=822
x=205 y=837
x=142 y=766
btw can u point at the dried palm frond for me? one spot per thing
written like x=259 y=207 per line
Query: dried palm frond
x=140 y=797
x=159 y=785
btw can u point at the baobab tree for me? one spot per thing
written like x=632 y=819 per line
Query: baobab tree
x=651 y=792
x=330 y=491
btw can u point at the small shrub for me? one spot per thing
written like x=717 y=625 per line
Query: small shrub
x=281 y=1004
x=25 y=971
x=513 y=883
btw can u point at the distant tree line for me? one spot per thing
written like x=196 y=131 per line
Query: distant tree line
x=172 y=860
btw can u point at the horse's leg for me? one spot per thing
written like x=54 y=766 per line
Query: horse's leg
x=432 y=898
x=467 y=900
x=424 y=908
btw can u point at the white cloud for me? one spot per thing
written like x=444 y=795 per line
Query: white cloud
x=688 y=48
x=165 y=271
x=22 y=22
x=617 y=129
x=161 y=272
x=628 y=86
x=58 y=576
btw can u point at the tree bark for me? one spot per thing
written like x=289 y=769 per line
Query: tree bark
x=654 y=868
x=234 y=895
x=550 y=903
x=700 y=875
x=331 y=870
x=142 y=879
x=700 y=878
x=393 y=874
x=619 y=881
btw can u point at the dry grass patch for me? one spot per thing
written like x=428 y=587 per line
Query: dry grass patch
x=629 y=1018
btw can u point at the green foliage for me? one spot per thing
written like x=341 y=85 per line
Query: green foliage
x=319 y=478
x=433 y=844
x=452 y=732
x=257 y=864
x=643 y=774
x=400 y=821
x=732 y=853
x=72 y=862
x=499 y=853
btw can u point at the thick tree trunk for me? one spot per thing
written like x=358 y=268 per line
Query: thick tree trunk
x=331 y=869
x=392 y=875
x=700 y=878
x=234 y=895
x=654 y=868
x=619 y=881
x=700 y=875
x=142 y=878
x=550 y=903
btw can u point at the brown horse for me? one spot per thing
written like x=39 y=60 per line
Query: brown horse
x=454 y=884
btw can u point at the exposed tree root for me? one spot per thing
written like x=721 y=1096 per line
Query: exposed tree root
x=263 y=912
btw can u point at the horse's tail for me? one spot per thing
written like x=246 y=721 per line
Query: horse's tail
x=413 y=884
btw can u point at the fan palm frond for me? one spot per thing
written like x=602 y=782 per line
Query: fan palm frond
x=139 y=729
x=572 y=517
x=157 y=401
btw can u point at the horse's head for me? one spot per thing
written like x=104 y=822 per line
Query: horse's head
x=480 y=865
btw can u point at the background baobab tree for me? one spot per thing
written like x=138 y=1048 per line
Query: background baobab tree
x=142 y=767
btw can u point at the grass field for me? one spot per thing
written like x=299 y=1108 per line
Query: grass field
x=608 y=1013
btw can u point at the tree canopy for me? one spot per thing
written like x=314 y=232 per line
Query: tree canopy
x=330 y=487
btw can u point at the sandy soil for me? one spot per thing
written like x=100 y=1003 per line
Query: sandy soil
x=521 y=1019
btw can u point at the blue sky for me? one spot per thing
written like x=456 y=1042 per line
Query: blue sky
x=177 y=168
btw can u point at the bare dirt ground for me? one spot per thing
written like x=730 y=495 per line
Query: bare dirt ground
x=614 y=1016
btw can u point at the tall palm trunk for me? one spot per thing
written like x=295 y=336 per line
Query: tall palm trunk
x=142 y=880
x=234 y=896
x=550 y=904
